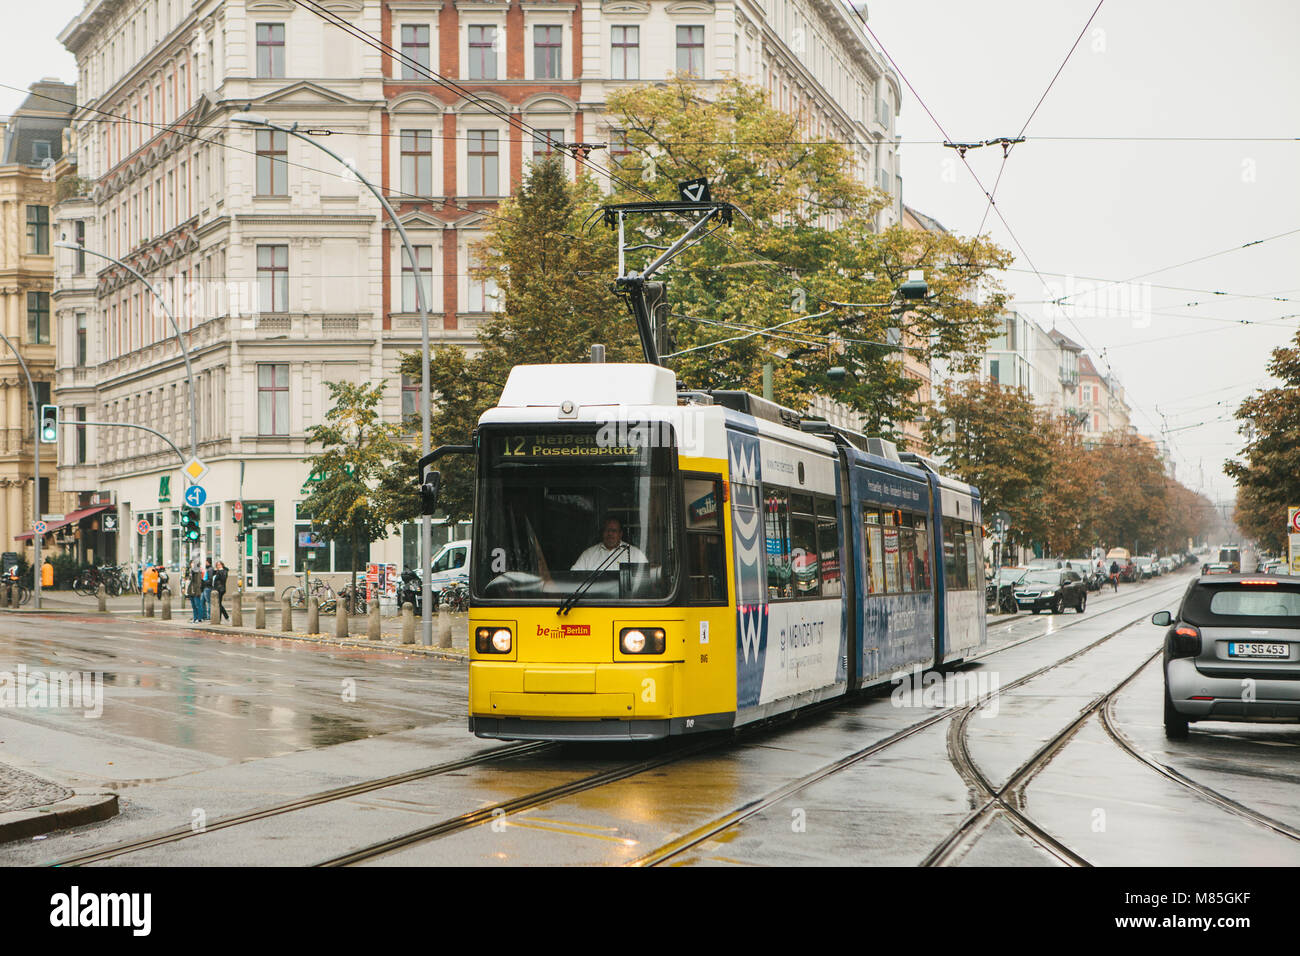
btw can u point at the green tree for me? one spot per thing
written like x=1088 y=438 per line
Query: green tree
x=1268 y=474
x=995 y=438
x=357 y=447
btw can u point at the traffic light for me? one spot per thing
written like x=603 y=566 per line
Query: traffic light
x=190 y=524
x=49 y=424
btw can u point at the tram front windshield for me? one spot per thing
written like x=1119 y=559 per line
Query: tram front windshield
x=568 y=508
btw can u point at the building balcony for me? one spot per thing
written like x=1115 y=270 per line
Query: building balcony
x=311 y=325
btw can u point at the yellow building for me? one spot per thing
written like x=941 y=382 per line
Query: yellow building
x=31 y=142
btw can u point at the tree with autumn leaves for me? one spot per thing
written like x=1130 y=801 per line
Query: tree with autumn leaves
x=805 y=244
x=1061 y=494
x=1268 y=470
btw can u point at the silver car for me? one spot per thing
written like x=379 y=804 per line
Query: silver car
x=1232 y=652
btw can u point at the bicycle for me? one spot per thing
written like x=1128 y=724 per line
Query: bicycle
x=354 y=601
x=454 y=596
x=322 y=592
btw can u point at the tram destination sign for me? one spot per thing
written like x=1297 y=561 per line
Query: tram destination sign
x=611 y=442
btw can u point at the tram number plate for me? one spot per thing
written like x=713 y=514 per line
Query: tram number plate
x=1237 y=649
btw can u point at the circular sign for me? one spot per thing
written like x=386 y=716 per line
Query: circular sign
x=195 y=495
x=142 y=526
x=1295 y=520
x=40 y=527
x=237 y=511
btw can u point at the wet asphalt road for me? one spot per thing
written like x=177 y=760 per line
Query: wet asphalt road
x=198 y=727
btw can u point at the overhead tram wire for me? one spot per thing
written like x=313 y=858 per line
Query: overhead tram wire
x=1006 y=150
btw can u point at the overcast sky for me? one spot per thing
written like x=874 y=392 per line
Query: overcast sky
x=1116 y=209
x=1101 y=208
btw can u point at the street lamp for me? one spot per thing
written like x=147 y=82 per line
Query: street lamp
x=426 y=538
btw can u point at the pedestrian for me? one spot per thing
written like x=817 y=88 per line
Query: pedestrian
x=207 y=590
x=194 y=590
x=219 y=589
x=1114 y=575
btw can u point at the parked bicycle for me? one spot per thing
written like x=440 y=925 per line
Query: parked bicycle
x=454 y=596
x=354 y=601
x=298 y=594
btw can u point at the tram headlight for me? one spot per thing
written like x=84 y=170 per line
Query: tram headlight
x=642 y=640
x=493 y=640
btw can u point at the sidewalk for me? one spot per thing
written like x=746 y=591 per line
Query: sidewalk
x=129 y=607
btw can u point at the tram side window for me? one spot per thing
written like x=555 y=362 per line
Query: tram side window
x=803 y=547
x=828 y=546
x=974 y=562
x=922 y=553
x=875 y=552
x=776 y=528
x=889 y=537
x=907 y=552
x=706 y=566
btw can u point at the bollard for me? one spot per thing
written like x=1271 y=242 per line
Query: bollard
x=444 y=627
x=103 y=599
x=167 y=608
x=373 y=624
x=259 y=614
x=286 y=615
x=408 y=623
x=6 y=595
x=341 y=620
x=148 y=604
x=313 y=616
x=237 y=610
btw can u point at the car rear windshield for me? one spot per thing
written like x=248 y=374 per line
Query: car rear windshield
x=1239 y=604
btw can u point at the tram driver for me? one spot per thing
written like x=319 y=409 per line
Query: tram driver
x=611 y=540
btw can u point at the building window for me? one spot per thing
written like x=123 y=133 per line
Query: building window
x=273 y=278
x=417 y=162
x=483 y=294
x=619 y=150
x=273 y=399
x=690 y=50
x=482 y=53
x=625 y=53
x=270 y=50
x=425 y=256
x=38 y=318
x=415 y=52
x=482 y=163
x=40 y=150
x=410 y=398
x=272 y=163
x=548 y=46
x=81 y=340
x=79 y=414
x=546 y=142
x=38 y=230
x=79 y=257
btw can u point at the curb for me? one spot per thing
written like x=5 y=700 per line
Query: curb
x=86 y=806
x=419 y=650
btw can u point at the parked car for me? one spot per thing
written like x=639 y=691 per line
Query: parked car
x=998 y=592
x=1230 y=632
x=1051 y=589
x=1144 y=567
x=1129 y=573
x=1215 y=567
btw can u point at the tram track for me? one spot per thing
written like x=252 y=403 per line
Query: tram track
x=730 y=820
x=302 y=803
x=489 y=813
x=1221 y=800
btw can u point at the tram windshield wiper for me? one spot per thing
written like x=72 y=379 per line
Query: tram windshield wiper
x=572 y=599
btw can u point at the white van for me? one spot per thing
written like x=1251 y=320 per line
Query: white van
x=451 y=563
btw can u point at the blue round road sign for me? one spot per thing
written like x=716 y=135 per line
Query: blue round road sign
x=195 y=495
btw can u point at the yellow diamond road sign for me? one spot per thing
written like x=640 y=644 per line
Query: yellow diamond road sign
x=195 y=470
